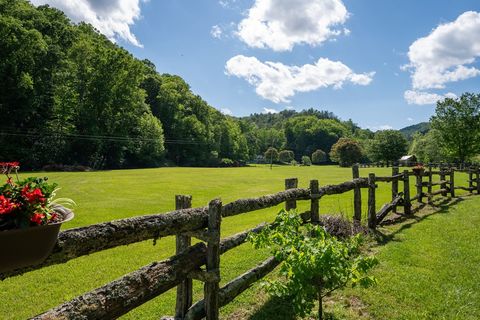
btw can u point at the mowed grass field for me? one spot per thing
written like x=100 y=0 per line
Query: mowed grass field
x=108 y=195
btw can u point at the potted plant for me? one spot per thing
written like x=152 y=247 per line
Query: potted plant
x=418 y=169
x=30 y=219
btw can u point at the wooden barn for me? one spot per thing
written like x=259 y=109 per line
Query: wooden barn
x=408 y=161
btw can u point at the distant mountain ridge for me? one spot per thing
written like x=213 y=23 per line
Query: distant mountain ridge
x=422 y=127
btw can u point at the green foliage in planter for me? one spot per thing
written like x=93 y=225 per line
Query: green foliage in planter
x=315 y=263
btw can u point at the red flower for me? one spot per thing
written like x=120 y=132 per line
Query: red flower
x=6 y=206
x=8 y=166
x=33 y=196
x=37 y=218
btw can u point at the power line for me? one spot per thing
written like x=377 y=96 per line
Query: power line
x=96 y=137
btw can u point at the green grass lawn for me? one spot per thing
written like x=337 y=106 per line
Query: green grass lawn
x=429 y=268
x=108 y=195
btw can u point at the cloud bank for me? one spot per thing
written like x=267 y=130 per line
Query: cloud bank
x=112 y=18
x=277 y=82
x=446 y=55
x=281 y=24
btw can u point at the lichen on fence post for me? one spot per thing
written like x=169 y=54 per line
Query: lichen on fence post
x=213 y=259
x=291 y=183
x=357 y=196
x=314 y=204
x=407 y=205
x=184 y=290
x=395 y=172
x=372 y=214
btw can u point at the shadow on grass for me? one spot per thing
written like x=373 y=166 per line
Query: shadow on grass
x=275 y=308
x=438 y=207
x=281 y=309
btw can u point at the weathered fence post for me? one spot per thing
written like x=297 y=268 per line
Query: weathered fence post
x=395 y=172
x=372 y=214
x=430 y=181
x=314 y=204
x=407 y=206
x=418 y=184
x=184 y=290
x=211 y=287
x=442 y=178
x=478 y=180
x=291 y=183
x=357 y=196
x=452 y=182
x=470 y=180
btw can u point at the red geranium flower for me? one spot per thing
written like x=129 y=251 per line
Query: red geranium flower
x=37 y=218
x=6 y=206
x=33 y=196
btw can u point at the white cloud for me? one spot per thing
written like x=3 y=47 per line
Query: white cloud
x=269 y=110
x=422 y=98
x=380 y=127
x=226 y=111
x=446 y=54
x=385 y=127
x=409 y=119
x=216 y=32
x=281 y=24
x=278 y=82
x=112 y=18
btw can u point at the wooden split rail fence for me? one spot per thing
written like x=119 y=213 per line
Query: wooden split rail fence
x=202 y=260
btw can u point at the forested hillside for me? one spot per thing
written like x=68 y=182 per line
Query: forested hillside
x=70 y=96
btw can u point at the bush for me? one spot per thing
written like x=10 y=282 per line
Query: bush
x=294 y=162
x=286 y=156
x=315 y=263
x=346 y=152
x=306 y=161
x=319 y=157
x=271 y=155
x=225 y=162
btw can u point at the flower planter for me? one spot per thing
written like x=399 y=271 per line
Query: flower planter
x=30 y=246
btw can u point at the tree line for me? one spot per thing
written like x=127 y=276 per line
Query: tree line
x=70 y=96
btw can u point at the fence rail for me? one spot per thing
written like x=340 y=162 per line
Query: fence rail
x=128 y=292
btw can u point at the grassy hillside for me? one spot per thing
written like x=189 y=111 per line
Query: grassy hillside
x=107 y=195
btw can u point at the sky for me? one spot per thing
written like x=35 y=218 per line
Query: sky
x=383 y=64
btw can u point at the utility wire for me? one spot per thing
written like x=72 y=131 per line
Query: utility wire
x=96 y=137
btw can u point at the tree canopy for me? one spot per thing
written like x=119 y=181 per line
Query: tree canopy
x=458 y=123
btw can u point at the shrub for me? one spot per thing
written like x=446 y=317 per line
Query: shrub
x=271 y=155
x=346 y=152
x=286 y=156
x=315 y=263
x=319 y=157
x=306 y=161
x=225 y=162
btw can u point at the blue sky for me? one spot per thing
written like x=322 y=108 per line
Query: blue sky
x=381 y=63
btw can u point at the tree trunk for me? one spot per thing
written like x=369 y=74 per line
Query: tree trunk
x=320 y=304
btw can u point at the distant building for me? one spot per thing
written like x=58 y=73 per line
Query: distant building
x=409 y=160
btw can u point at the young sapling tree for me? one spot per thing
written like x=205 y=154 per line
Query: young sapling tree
x=315 y=263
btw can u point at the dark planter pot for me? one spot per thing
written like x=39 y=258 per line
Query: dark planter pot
x=26 y=247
